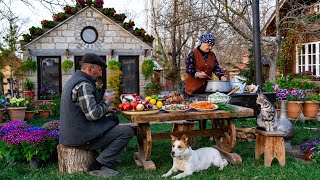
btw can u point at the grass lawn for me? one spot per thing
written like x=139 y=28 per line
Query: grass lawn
x=249 y=169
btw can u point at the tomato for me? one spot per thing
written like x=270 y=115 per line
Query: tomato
x=134 y=104
x=126 y=106
x=120 y=106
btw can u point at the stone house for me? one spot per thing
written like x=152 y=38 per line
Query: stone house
x=88 y=30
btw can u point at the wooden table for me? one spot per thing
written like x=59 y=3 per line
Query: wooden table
x=223 y=131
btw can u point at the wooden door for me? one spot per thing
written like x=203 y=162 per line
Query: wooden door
x=130 y=70
x=102 y=80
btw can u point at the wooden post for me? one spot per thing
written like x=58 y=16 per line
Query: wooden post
x=73 y=159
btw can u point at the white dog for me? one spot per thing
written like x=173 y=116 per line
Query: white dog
x=187 y=160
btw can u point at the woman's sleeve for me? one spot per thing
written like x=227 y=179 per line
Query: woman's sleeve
x=191 y=65
x=217 y=70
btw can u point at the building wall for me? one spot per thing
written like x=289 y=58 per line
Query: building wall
x=67 y=35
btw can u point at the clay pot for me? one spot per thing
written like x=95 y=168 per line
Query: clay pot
x=308 y=155
x=294 y=109
x=29 y=115
x=310 y=109
x=44 y=114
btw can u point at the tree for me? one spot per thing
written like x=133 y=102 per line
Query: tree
x=177 y=24
x=9 y=50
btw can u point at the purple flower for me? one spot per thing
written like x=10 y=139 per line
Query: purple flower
x=33 y=128
x=35 y=137
x=55 y=124
x=54 y=134
x=310 y=145
x=14 y=137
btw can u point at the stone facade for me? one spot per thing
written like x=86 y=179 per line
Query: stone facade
x=112 y=38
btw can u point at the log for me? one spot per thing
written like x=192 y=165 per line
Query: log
x=73 y=159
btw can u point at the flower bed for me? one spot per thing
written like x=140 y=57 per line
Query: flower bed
x=21 y=142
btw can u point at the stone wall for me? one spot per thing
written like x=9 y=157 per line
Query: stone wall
x=67 y=35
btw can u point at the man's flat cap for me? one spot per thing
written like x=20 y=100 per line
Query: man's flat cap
x=92 y=58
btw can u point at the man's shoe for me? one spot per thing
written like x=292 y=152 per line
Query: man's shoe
x=104 y=172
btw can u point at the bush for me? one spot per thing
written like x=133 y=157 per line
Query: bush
x=28 y=85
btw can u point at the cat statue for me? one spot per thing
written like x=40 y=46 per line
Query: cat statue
x=267 y=119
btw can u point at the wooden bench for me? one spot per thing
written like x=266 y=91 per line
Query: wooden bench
x=179 y=126
x=272 y=145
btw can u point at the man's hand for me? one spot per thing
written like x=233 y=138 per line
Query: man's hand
x=109 y=97
x=112 y=110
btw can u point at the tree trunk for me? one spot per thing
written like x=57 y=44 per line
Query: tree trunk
x=73 y=159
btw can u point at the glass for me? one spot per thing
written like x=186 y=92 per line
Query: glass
x=108 y=92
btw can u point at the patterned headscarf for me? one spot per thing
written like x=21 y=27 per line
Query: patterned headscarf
x=207 y=38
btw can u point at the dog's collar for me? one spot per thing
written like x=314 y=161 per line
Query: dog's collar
x=186 y=156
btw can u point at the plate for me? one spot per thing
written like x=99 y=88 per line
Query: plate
x=140 y=112
x=201 y=109
x=167 y=108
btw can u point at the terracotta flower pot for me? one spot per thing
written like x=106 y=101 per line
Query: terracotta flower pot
x=44 y=114
x=1 y=114
x=294 y=109
x=308 y=155
x=29 y=115
x=310 y=109
x=17 y=113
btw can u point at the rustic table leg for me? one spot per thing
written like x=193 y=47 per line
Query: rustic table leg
x=142 y=157
x=226 y=142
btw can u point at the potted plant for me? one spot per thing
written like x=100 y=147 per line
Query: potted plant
x=45 y=93
x=128 y=25
x=67 y=65
x=295 y=99
x=109 y=11
x=47 y=24
x=20 y=141
x=28 y=89
x=3 y=104
x=70 y=10
x=26 y=38
x=31 y=110
x=311 y=149
x=152 y=88
x=44 y=110
x=10 y=140
x=119 y=17
x=311 y=105
x=38 y=147
x=59 y=17
x=98 y=3
x=17 y=108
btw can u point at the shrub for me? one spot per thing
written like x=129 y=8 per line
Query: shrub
x=28 y=85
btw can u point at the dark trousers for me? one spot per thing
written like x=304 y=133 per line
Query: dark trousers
x=111 y=143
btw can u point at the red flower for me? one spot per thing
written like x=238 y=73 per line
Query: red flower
x=143 y=32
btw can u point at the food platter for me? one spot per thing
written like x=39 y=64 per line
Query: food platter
x=175 y=108
x=199 y=109
x=141 y=112
x=210 y=106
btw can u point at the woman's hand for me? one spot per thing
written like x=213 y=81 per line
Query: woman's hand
x=201 y=75
x=223 y=78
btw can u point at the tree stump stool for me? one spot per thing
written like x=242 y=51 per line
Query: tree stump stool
x=272 y=145
x=73 y=159
x=179 y=126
